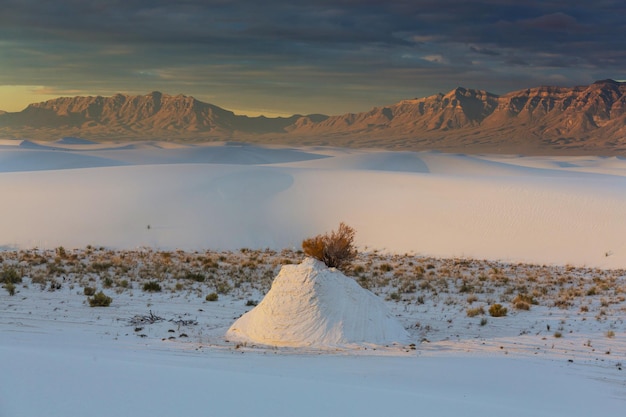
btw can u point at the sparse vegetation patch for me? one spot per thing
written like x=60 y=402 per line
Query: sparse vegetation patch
x=152 y=286
x=100 y=300
x=497 y=310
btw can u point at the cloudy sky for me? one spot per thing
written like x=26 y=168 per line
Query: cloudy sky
x=285 y=57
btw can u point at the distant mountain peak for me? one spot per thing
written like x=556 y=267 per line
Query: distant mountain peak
x=581 y=119
x=608 y=81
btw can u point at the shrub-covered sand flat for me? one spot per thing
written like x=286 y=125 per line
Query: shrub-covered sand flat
x=445 y=304
x=160 y=347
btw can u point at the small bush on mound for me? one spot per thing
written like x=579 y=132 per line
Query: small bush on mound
x=152 y=286
x=89 y=291
x=497 y=310
x=212 y=297
x=100 y=300
x=335 y=249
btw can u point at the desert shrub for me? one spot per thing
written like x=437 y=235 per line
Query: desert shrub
x=222 y=288
x=212 y=296
x=466 y=287
x=9 y=275
x=363 y=282
x=521 y=305
x=408 y=287
x=497 y=310
x=473 y=312
x=359 y=269
x=527 y=298
x=523 y=301
x=61 y=252
x=152 y=286
x=55 y=269
x=483 y=321
x=89 y=291
x=100 y=300
x=100 y=266
x=335 y=249
x=610 y=334
x=10 y=287
x=54 y=285
x=195 y=276
x=251 y=303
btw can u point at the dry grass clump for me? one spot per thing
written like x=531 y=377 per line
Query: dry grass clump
x=476 y=311
x=10 y=275
x=523 y=301
x=336 y=249
x=152 y=286
x=497 y=310
x=89 y=291
x=100 y=300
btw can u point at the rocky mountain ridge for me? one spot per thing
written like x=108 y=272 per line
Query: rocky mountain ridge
x=578 y=119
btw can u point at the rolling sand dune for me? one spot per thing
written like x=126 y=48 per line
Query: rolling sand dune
x=228 y=196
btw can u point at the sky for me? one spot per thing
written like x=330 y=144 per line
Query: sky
x=293 y=57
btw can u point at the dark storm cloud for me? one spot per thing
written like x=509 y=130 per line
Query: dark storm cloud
x=484 y=51
x=289 y=49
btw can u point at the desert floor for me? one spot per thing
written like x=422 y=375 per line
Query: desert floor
x=442 y=238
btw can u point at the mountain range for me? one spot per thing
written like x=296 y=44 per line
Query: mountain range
x=541 y=120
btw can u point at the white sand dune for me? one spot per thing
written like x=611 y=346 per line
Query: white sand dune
x=49 y=160
x=68 y=140
x=554 y=210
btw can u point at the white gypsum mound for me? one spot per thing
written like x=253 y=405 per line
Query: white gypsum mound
x=311 y=305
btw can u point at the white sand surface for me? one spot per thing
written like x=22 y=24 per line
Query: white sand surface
x=562 y=357
x=552 y=210
x=62 y=358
